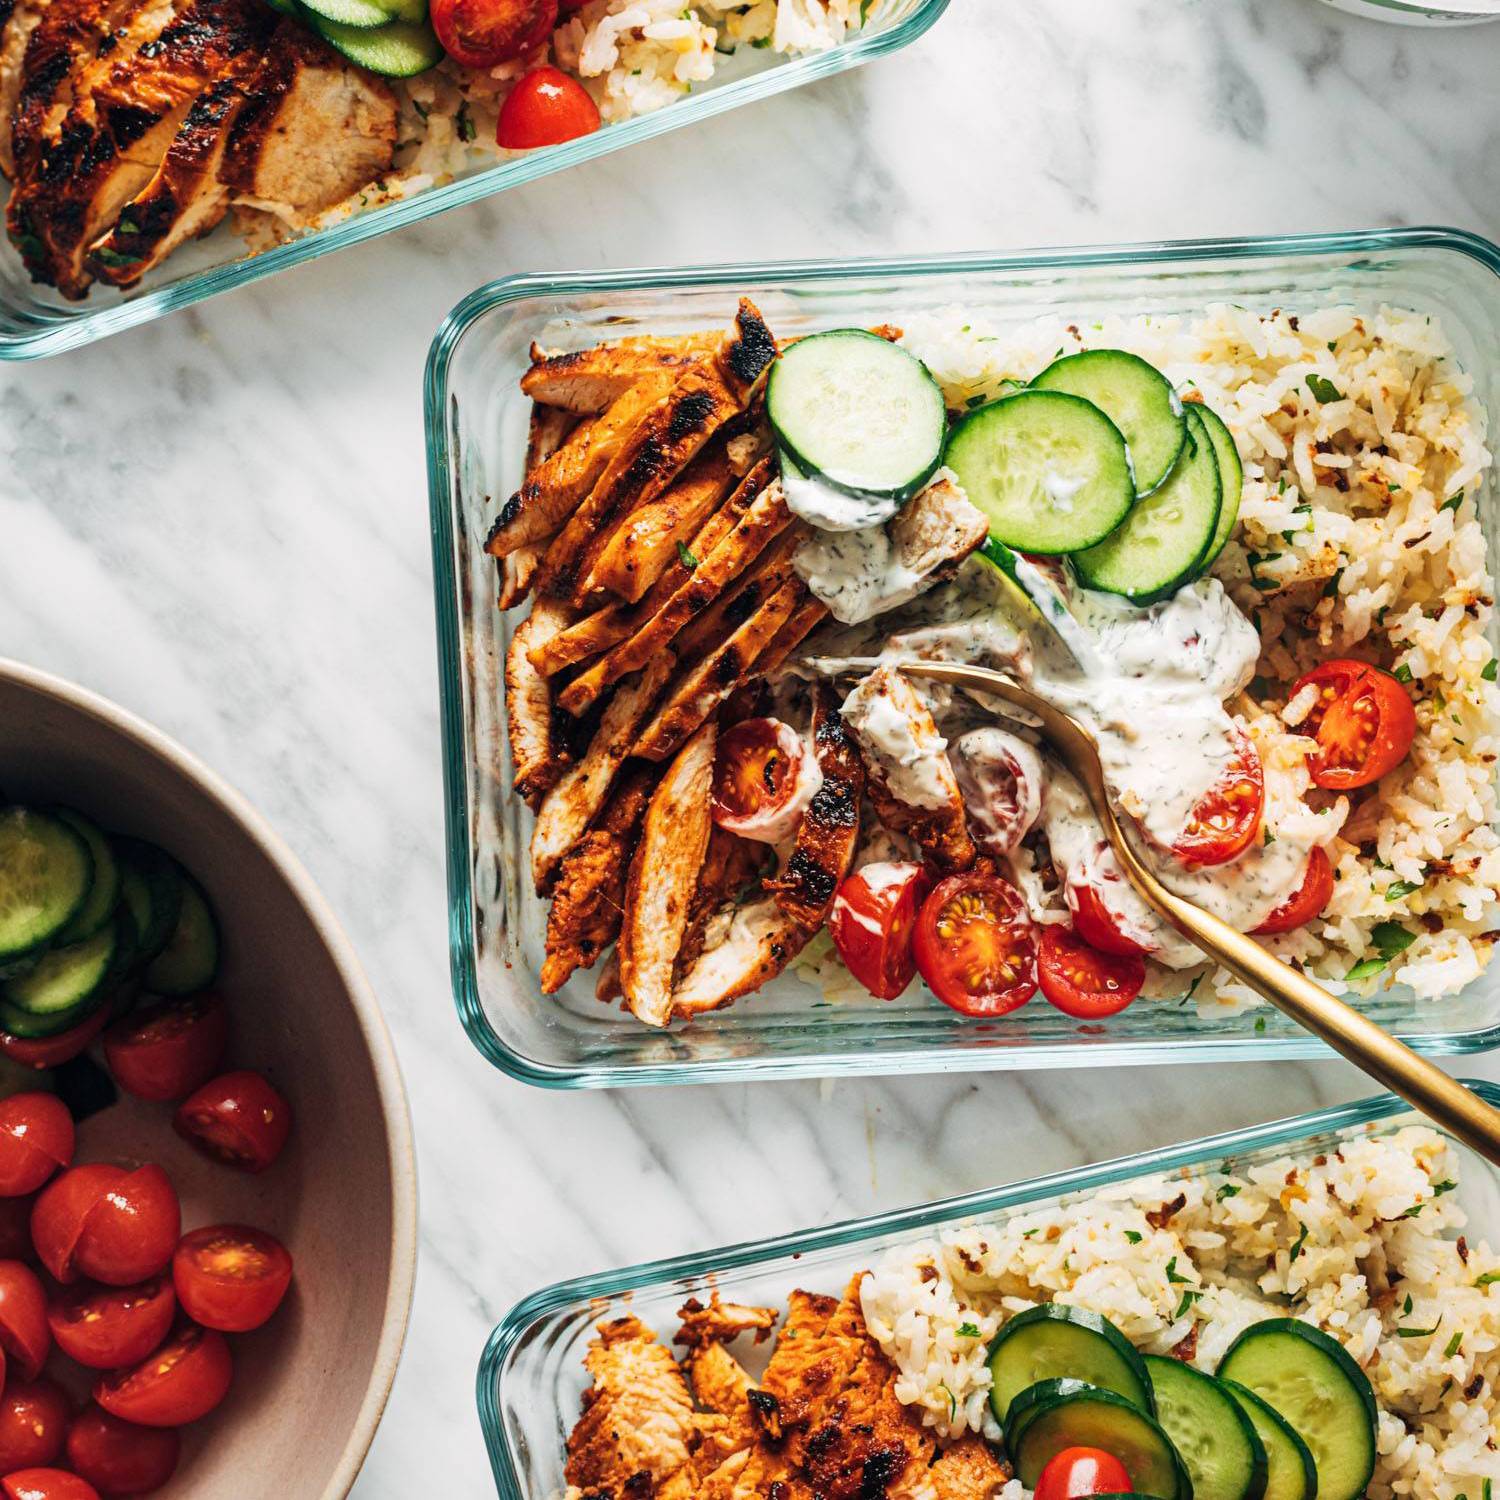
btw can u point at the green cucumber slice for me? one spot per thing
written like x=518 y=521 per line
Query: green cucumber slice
x=1312 y=1381
x=1034 y=1399
x=1166 y=536
x=361 y=14
x=1231 y=481
x=191 y=957
x=104 y=891
x=859 y=412
x=1291 y=1473
x=397 y=49
x=1101 y=1419
x=1055 y=1341
x=65 y=979
x=1050 y=470
x=45 y=874
x=1136 y=397
x=1213 y=1437
x=150 y=893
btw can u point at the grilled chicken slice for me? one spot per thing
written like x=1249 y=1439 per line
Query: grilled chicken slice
x=799 y=625
x=587 y=381
x=935 y=531
x=663 y=876
x=536 y=758
x=744 y=948
x=548 y=432
x=18 y=19
x=717 y=1322
x=731 y=866
x=968 y=1470
x=741 y=598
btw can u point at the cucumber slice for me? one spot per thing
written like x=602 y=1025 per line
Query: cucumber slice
x=1166 y=536
x=65 y=980
x=1291 y=1473
x=1231 y=481
x=45 y=874
x=397 y=49
x=1101 y=1419
x=191 y=957
x=1055 y=1341
x=1311 y=1380
x=362 y=14
x=858 y=412
x=1213 y=1437
x=104 y=892
x=1034 y=1399
x=150 y=893
x=1136 y=397
x=1051 y=471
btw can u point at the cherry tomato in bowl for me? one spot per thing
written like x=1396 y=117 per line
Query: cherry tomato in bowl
x=1306 y=901
x=105 y=1327
x=230 y=1276
x=24 y=1335
x=1226 y=820
x=545 y=108
x=1098 y=925
x=975 y=945
x=34 y=1417
x=118 y=1227
x=1078 y=1472
x=1363 y=721
x=763 y=779
x=167 y=1050
x=1082 y=981
x=238 y=1119
x=54 y=1051
x=120 y=1458
x=483 y=33
x=183 y=1380
x=872 y=922
x=36 y=1139
x=47 y=1484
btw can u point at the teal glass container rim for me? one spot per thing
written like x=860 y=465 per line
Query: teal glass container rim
x=610 y=1284
x=506 y=290
x=72 y=330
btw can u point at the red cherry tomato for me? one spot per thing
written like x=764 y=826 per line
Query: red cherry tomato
x=34 y=1418
x=238 y=1119
x=1363 y=722
x=105 y=1327
x=231 y=1277
x=119 y=1458
x=759 y=770
x=545 y=108
x=482 y=33
x=60 y=1209
x=53 y=1051
x=975 y=945
x=23 y=1319
x=1227 y=819
x=1081 y=981
x=169 y=1049
x=1306 y=901
x=47 y=1484
x=101 y=1221
x=871 y=922
x=1097 y=925
x=182 y=1381
x=36 y=1139
x=1077 y=1472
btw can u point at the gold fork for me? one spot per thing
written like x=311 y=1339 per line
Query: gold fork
x=1422 y=1083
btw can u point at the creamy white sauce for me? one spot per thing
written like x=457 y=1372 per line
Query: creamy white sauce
x=830 y=508
x=1000 y=779
x=914 y=763
x=856 y=573
x=1060 y=489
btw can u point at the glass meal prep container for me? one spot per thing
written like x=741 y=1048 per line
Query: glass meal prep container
x=531 y=1374
x=37 y=320
x=476 y=436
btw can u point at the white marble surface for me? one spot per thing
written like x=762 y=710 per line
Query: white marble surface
x=221 y=522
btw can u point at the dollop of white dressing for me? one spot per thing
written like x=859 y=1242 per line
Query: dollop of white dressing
x=829 y=508
x=856 y=573
x=915 y=766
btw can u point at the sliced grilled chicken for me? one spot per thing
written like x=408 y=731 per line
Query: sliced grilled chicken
x=587 y=381
x=799 y=625
x=18 y=19
x=732 y=866
x=744 y=949
x=718 y=1322
x=741 y=597
x=968 y=1470
x=549 y=430
x=936 y=531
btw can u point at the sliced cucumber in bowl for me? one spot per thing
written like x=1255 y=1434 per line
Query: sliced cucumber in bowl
x=190 y=958
x=67 y=984
x=46 y=873
x=1291 y=1473
x=1214 y=1437
x=394 y=48
x=104 y=890
x=1058 y=1342
x=360 y=14
x=1231 y=480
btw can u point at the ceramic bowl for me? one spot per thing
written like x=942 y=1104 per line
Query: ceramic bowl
x=1422 y=12
x=310 y=1386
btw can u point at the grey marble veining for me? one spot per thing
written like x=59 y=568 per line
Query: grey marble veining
x=221 y=522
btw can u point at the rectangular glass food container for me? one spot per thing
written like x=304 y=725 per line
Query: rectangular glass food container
x=476 y=431
x=37 y=320
x=531 y=1374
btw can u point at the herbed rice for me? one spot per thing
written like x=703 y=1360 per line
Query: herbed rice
x=1364 y=1243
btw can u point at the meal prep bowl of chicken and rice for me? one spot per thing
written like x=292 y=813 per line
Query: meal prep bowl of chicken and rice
x=131 y=129
x=1226 y=509
x=1304 y=1308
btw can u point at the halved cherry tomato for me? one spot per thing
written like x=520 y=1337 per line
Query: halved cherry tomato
x=53 y=1051
x=182 y=1381
x=119 y=1458
x=482 y=33
x=1000 y=778
x=1078 y=1472
x=545 y=108
x=238 y=1119
x=762 y=779
x=1097 y=925
x=1306 y=901
x=872 y=920
x=47 y=1484
x=1363 y=722
x=231 y=1277
x=23 y=1319
x=101 y=1221
x=36 y=1139
x=975 y=945
x=1226 y=820
x=34 y=1416
x=1080 y=980
x=169 y=1049
x=105 y=1327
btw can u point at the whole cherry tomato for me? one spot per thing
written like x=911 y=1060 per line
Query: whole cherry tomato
x=23 y=1319
x=1078 y=1472
x=1306 y=901
x=871 y=922
x=167 y=1050
x=105 y=1327
x=182 y=1381
x=36 y=1139
x=101 y=1221
x=238 y=1119
x=545 y=108
x=1080 y=980
x=120 y=1458
x=975 y=945
x=1363 y=721
x=47 y=1484
x=1226 y=820
x=482 y=33
x=59 y=1211
x=53 y=1051
x=231 y=1277
x=34 y=1416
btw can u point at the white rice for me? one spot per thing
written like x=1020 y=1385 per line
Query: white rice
x=1365 y=1244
